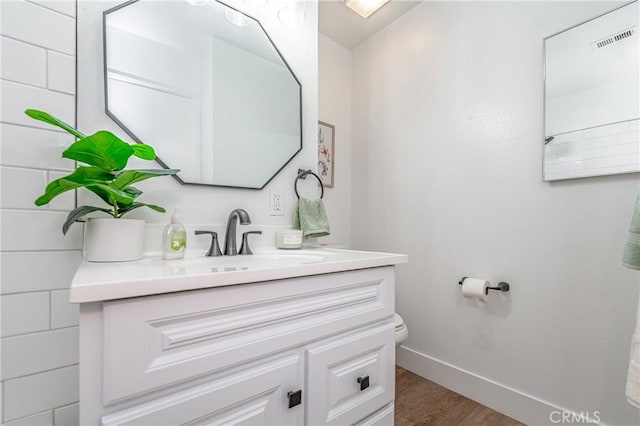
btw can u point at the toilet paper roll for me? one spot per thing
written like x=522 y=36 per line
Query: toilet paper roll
x=475 y=288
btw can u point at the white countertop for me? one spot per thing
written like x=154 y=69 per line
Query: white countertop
x=95 y=282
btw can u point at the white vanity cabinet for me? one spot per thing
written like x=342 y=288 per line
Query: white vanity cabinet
x=237 y=354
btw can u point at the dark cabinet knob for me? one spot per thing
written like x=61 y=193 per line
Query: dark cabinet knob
x=295 y=398
x=364 y=382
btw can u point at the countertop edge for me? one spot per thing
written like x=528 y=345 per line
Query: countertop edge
x=104 y=291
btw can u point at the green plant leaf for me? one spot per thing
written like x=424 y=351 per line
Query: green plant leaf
x=131 y=194
x=50 y=119
x=54 y=189
x=159 y=209
x=134 y=206
x=104 y=195
x=114 y=195
x=129 y=177
x=102 y=149
x=143 y=151
x=82 y=176
x=133 y=191
x=78 y=213
x=106 y=155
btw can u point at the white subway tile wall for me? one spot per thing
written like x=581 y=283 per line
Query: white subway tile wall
x=20 y=275
x=61 y=72
x=34 y=148
x=63 y=6
x=21 y=186
x=63 y=313
x=25 y=230
x=39 y=352
x=24 y=313
x=27 y=64
x=40 y=419
x=40 y=26
x=40 y=392
x=16 y=97
x=39 y=339
x=67 y=416
x=599 y=151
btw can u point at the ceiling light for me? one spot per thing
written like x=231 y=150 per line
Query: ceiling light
x=365 y=8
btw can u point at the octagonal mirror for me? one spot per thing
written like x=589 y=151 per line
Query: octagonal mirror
x=205 y=85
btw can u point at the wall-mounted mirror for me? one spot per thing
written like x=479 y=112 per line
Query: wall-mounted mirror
x=205 y=85
x=591 y=97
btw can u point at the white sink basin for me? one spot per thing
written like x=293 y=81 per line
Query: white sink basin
x=259 y=260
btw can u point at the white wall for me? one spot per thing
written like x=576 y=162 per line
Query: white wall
x=447 y=145
x=39 y=369
x=334 y=107
x=208 y=207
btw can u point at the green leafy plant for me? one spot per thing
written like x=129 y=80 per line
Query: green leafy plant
x=106 y=156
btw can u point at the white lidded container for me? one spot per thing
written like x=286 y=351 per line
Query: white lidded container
x=288 y=239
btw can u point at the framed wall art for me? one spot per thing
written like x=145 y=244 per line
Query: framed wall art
x=326 y=153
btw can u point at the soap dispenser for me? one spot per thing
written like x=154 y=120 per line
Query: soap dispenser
x=174 y=239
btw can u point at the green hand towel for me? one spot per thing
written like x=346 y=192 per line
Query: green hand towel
x=631 y=257
x=311 y=217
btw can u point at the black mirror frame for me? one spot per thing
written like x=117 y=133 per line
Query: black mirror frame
x=113 y=117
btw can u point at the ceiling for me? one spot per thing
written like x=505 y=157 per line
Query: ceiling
x=342 y=25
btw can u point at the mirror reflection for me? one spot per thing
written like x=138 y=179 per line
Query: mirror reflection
x=204 y=84
x=591 y=97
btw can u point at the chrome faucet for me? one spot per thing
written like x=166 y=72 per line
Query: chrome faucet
x=230 y=237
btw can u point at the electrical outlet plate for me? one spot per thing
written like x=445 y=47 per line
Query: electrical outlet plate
x=276 y=203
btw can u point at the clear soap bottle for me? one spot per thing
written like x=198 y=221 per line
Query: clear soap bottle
x=174 y=239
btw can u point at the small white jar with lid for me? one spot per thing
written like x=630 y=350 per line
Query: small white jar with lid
x=289 y=239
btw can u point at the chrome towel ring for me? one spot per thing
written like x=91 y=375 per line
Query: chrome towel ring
x=302 y=174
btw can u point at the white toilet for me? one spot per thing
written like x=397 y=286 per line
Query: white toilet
x=401 y=330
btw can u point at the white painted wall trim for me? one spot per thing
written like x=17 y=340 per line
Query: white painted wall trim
x=497 y=396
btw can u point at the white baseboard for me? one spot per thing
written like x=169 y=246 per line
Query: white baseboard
x=511 y=402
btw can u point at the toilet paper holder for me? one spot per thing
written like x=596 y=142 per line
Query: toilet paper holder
x=502 y=286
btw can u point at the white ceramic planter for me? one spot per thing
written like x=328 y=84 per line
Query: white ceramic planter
x=113 y=240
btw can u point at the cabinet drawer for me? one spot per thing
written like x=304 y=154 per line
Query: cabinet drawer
x=156 y=341
x=253 y=396
x=335 y=367
x=383 y=417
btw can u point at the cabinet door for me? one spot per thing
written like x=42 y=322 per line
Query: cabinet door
x=351 y=376
x=152 y=343
x=256 y=395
